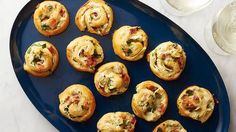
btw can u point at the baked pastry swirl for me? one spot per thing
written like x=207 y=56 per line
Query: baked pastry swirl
x=84 y=53
x=196 y=102
x=112 y=79
x=77 y=103
x=116 y=122
x=167 y=60
x=51 y=18
x=150 y=101
x=95 y=16
x=41 y=59
x=130 y=43
x=169 y=126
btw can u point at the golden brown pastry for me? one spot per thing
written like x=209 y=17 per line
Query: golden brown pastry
x=130 y=43
x=95 y=16
x=167 y=60
x=84 y=53
x=116 y=122
x=51 y=18
x=169 y=126
x=112 y=79
x=196 y=102
x=77 y=103
x=150 y=101
x=41 y=59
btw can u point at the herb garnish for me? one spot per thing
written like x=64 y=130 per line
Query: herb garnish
x=37 y=44
x=127 y=52
x=40 y=54
x=95 y=54
x=29 y=50
x=125 y=123
x=74 y=59
x=50 y=7
x=66 y=108
x=36 y=59
x=82 y=107
x=45 y=27
x=44 y=46
x=189 y=92
x=157 y=95
x=159 y=130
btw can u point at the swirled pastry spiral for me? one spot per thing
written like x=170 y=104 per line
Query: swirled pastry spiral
x=150 y=101
x=169 y=126
x=41 y=59
x=77 y=103
x=112 y=79
x=116 y=122
x=130 y=43
x=51 y=18
x=95 y=16
x=197 y=103
x=84 y=53
x=167 y=60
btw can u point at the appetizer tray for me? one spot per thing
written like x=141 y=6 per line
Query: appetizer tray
x=43 y=92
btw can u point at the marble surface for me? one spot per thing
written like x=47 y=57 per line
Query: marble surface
x=17 y=113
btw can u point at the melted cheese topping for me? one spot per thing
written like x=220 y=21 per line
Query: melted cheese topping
x=77 y=103
x=41 y=58
x=112 y=79
x=196 y=102
x=52 y=15
x=117 y=122
x=150 y=101
x=167 y=60
x=169 y=126
x=130 y=43
x=95 y=16
x=84 y=53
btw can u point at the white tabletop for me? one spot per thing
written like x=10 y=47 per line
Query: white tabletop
x=17 y=112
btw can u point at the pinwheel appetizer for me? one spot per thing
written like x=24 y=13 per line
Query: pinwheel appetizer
x=116 y=122
x=77 y=103
x=41 y=59
x=130 y=43
x=51 y=18
x=84 y=53
x=112 y=79
x=95 y=16
x=150 y=101
x=167 y=60
x=197 y=103
x=169 y=126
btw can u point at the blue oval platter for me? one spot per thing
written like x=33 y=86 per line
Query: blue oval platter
x=43 y=92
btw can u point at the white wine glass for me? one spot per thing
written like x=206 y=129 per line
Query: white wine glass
x=220 y=32
x=184 y=7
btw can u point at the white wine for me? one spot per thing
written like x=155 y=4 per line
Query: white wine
x=224 y=29
x=188 y=5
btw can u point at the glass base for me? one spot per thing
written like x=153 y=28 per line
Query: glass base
x=178 y=11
